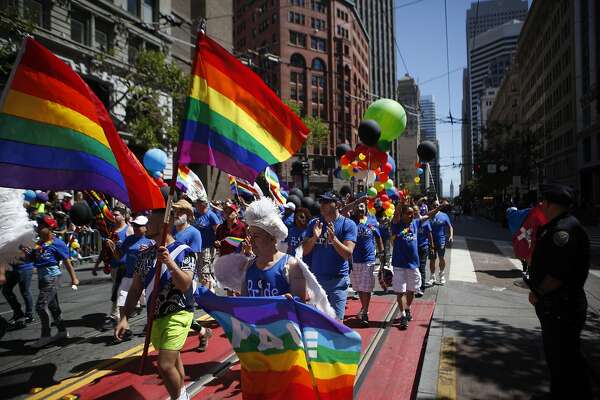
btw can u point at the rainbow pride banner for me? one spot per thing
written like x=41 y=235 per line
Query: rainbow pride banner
x=234 y=121
x=274 y=186
x=287 y=350
x=189 y=183
x=234 y=241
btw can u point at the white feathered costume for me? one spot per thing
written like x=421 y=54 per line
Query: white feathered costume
x=230 y=270
x=15 y=226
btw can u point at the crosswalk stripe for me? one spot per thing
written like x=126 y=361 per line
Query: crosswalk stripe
x=462 y=268
x=507 y=251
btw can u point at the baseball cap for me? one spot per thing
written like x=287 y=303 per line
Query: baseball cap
x=140 y=220
x=290 y=206
x=329 y=197
x=48 y=221
x=557 y=193
x=232 y=206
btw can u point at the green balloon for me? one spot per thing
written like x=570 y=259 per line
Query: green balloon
x=383 y=145
x=372 y=192
x=345 y=174
x=390 y=116
x=389 y=184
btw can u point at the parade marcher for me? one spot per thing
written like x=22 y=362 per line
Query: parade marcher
x=405 y=260
x=296 y=231
x=232 y=226
x=368 y=240
x=207 y=222
x=174 y=302
x=130 y=250
x=21 y=273
x=67 y=202
x=425 y=243
x=329 y=244
x=289 y=209
x=439 y=222
x=268 y=271
x=558 y=271
x=46 y=255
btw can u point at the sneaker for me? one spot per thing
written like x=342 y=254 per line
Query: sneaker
x=442 y=280
x=108 y=324
x=360 y=314
x=203 y=344
x=430 y=282
x=408 y=315
x=364 y=320
x=419 y=293
x=42 y=342
x=62 y=335
x=29 y=319
x=403 y=323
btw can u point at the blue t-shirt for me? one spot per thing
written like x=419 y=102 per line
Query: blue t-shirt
x=205 y=224
x=294 y=238
x=122 y=234
x=190 y=236
x=406 y=252
x=130 y=248
x=364 y=251
x=324 y=260
x=423 y=233
x=269 y=282
x=289 y=220
x=438 y=227
x=48 y=255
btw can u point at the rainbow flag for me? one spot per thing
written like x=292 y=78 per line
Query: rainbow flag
x=55 y=134
x=234 y=121
x=234 y=241
x=188 y=182
x=244 y=188
x=280 y=341
x=274 y=187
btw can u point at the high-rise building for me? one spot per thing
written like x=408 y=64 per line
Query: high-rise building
x=379 y=20
x=313 y=53
x=428 y=132
x=451 y=190
x=406 y=145
x=481 y=17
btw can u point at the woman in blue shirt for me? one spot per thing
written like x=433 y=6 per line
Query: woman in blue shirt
x=296 y=231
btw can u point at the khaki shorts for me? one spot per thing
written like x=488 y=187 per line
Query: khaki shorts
x=171 y=331
x=406 y=280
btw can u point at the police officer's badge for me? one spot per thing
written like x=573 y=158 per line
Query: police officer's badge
x=561 y=238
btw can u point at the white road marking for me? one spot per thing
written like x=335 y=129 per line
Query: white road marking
x=507 y=251
x=595 y=273
x=462 y=268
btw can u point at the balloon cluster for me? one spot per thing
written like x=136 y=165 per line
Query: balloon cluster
x=383 y=122
x=155 y=161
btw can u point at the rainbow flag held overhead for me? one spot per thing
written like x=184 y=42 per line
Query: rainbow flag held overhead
x=234 y=241
x=190 y=183
x=287 y=349
x=244 y=188
x=274 y=186
x=234 y=121
x=55 y=134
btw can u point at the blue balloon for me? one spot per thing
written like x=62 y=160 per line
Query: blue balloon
x=284 y=194
x=392 y=162
x=338 y=173
x=156 y=174
x=391 y=192
x=155 y=160
x=419 y=171
x=29 y=195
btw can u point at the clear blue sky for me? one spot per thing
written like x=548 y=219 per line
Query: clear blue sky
x=420 y=33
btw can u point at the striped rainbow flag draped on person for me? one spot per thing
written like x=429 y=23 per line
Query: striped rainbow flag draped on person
x=233 y=120
x=55 y=134
x=274 y=186
x=276 y=339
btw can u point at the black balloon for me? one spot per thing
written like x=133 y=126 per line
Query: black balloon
x=308 y=202
x=297 y=192
x=427 y=151
x=81 y=213
x=315 y=210
x=345 y=190
x=342 y=149
x=292 y=198
x=369 y=132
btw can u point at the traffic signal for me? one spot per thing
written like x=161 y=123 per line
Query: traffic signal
x=296 y=168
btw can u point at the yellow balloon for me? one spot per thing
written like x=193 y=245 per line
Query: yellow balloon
x=362 y=157
x=417 y=179
x=389 y=213
x=378 y=186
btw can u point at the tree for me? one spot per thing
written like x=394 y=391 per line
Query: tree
x=318 y=130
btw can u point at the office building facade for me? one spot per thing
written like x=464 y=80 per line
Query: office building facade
x=406 y=145
x=429 y=132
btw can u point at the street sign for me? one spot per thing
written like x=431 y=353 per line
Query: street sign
x=491 y=168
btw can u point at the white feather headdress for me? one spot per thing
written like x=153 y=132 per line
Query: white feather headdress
x=264 y=214
x=15 y=226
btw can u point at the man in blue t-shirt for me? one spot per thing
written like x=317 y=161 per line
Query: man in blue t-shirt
x=207 y=222
x=329 y=243
x=405 y=260
x=424 y=238
x=183 y=232
x=439 y=222
x=363 y=260
x=288 y=214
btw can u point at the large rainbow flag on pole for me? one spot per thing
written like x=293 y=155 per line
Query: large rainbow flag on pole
x=55 y=134
x=234 y=121
x=287 y=350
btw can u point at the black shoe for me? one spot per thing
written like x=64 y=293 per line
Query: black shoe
x=29 y=319
x=403 y=323
x=364 y=320
x=408 y=315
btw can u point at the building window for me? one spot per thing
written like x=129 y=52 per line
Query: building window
x=148 y=10
x=318 y=65
x=317 y=23
x=80 y=28
x=144 y=9
x=298 y=3
x=102 y=39
x=318 y=5
x=132 y=7
x=33 y=11
x=134 y=47
x=297 y=61
x=317 y=43
x=298 y=39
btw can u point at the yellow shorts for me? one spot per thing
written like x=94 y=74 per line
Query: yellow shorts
x=169 y=332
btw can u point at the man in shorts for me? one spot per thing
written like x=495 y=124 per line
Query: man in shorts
x=207 y=222
x=174 y=307
x=405 y=260
x=439 y=222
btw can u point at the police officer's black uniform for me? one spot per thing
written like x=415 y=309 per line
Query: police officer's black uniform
x=562 y=252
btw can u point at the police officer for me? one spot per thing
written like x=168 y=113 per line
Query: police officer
x=560 y=265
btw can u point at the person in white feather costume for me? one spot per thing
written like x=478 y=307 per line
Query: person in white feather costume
x=269 y=272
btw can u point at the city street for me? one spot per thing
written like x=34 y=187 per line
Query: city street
x=483 y=341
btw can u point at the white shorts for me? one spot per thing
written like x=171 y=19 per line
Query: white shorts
x=362 y=278
x=406 y=279
x=123 y=290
